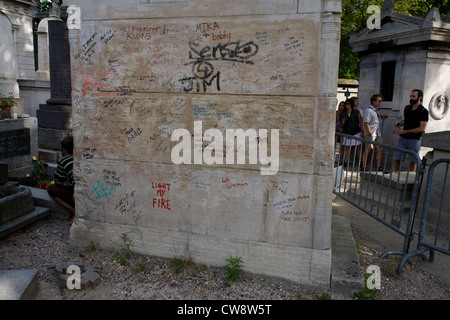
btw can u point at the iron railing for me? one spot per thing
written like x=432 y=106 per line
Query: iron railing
x=392 y=197
x=373 y=186
x=429 y=234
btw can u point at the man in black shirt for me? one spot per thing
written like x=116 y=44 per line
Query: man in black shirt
x=415 y=120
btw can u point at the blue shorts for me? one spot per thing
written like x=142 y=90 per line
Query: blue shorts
x=409 y=144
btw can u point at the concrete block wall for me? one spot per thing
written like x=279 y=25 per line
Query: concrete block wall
x=143 y=69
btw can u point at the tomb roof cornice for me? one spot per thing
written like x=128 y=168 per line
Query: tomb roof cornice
x=400 y=30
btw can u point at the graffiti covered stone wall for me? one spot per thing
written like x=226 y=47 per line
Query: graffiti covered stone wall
x=157 y=88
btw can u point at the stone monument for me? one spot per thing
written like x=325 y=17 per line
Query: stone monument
x=54 y=117
x=406 y=53
x=18 y=144
x=17 y=66
x=160 y=91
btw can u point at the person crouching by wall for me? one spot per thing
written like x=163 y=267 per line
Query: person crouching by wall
x=62 y=190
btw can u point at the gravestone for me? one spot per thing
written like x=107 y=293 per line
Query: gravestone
x=55 y=114
x=158 y=86
x=18 y=144
x=14 y=143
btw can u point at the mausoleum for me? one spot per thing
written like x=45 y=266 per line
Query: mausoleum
x=406 y=53
x=156 y=88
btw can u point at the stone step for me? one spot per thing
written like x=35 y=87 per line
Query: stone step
x=42 y=198
x=24 y=220
x=50 y=156
x=400 y=181
x=18 y=284
x=19 y=172
x=346 y=273
x=14 y=203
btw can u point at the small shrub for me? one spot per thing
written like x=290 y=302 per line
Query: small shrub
x=124 y=252
x=234 y=268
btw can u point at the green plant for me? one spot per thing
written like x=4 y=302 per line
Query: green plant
x=323 y=296
x=234 y=268
x=365 y=293
x=92 y=246
x=124 y=252
x=38 y=177
x=142 y=266
x=7 y=101
x=179 y=264
x=46 y=4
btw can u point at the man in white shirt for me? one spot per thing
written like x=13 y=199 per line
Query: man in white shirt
x=372 y=131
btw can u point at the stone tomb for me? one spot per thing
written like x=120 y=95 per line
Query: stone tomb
x=141 y=72
x=406 y=53
x=18 y=144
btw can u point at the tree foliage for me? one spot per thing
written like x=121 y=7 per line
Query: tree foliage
x=47 y=4
x=354 y=19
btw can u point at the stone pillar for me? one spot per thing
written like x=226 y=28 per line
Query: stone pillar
x=8 y=63
x=54 y=117
x=43 y=72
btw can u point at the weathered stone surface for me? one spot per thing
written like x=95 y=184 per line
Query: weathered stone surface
x=18 y=284
x=137 y=81
x=15 y=205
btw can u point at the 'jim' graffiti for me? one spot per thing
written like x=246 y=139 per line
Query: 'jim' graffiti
x=203 y=72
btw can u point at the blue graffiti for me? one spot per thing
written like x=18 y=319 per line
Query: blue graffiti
x=102 y=191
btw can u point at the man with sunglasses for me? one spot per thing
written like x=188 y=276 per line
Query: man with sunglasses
x=372 y=131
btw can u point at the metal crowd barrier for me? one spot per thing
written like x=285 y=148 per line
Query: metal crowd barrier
x=392 y=197
x=387 y=196
x=433 y=243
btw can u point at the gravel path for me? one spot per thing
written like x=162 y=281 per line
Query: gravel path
x=44 y=244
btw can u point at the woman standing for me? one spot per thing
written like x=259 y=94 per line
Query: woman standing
x=339 y=128
x=352 y=124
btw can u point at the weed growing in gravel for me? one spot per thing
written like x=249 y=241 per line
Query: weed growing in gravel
x=124 y=252
x=389 y=269
x=180 y=264
x=143 y=266
x=323 y=296
x=234 y=268
x=365 y=293
x=92 y=246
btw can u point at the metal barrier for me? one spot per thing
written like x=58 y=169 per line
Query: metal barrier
x=373 y=186
x=423 y=244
